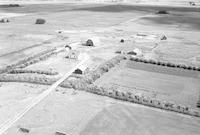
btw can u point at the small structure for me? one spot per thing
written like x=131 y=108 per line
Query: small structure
x=198 y=103
x=4 y=21
x=136 y=51
x=40 y=21
x=192 y=3
x=132 y=53
x=13 y=5
x=81 y=69
x=24 y=130
x=73 y=54
x=68 y=47
x=93 y=41
x=119 y=52
x=163 y=37
x=162 y=12
x=89 y=42
x=122 y=40
x=59 y=133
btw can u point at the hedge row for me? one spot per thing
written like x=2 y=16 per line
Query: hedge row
x=30 y=78
x=130 y=97
x=101 y=69
x=21 y=71
x=80 y=82
x=38 y=59
x=26 y=60
x=167 y=64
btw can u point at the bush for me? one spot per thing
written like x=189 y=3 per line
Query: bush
x=159 y=63
x=154 y=62
x=13 y=5
x=169 y=64
x=119 y=52
x=146 y=61
x=2 y=21
x=178 y=66
x=194 y=68
x=151 y=61
x=40 y=21
x=173 y=65
x=136 y=59
x=189 y=68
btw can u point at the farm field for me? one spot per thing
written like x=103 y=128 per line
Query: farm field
x=62 y=111
x=175 y=88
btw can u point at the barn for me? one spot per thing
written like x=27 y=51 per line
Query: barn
x=80 y=70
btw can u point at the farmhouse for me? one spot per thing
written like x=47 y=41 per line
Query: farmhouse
x=73 y=54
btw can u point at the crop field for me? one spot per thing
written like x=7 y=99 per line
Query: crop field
x=127 y=76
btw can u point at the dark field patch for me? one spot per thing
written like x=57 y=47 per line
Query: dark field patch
x=126 y=8
x=163 y=69
x=193 y=22
x=32 y=8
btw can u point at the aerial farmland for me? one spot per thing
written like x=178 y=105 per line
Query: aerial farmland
x=104 y=67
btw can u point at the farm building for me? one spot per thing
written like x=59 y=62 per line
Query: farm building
x=80 y=70
x=93 y=41
x=87 y=65
x=73 y=54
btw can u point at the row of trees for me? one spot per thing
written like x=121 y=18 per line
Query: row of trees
x=21 y=71
x=86 y=84
x=130 y=97
x=167 y=64
x=38 y=59
x=30 y=78
x=27 y=61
